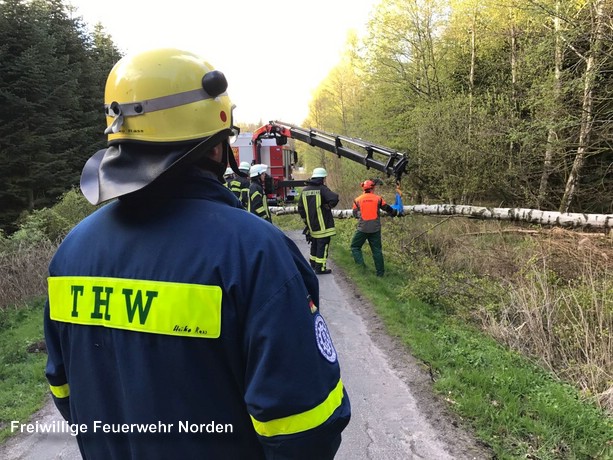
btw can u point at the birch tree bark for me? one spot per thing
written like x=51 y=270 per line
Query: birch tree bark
x=552 y=135
x=587 y=120
x=533 y=216
x=471 y=74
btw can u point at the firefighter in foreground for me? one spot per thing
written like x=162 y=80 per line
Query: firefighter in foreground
x=157 y=347
x=315 y=207
x=258 y=202
x=366 y=208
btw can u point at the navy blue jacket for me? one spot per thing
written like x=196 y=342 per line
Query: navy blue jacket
x=263 y=379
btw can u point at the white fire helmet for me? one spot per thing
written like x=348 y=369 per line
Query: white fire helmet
x=258 y=169
x=319 y=172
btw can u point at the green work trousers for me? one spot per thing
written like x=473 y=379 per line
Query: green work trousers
x=374 y=240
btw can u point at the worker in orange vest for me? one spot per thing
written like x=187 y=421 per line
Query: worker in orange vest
x=366 y=208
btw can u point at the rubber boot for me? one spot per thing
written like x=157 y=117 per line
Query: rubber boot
x=320 y=270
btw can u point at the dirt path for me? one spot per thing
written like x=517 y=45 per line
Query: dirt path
x=395 y=414
x=426 y=429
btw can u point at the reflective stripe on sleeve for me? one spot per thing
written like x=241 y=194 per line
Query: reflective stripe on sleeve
x=304 y=421
x=62 y=391
x=157 y=307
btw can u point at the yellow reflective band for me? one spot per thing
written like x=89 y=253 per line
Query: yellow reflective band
x=323 y=233
x=304 y=421
x=305 y=204
x=60 y=392
x=157 y=307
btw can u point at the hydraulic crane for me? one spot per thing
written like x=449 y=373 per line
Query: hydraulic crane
x=369 y=154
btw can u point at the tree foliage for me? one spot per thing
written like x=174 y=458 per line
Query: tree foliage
x=496 y=102
x=51 y=91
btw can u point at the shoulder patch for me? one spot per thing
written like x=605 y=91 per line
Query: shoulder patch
x=312 y=305
x=324 y=340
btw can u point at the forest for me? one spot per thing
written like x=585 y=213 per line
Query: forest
x=51 y=93
x=495 y=102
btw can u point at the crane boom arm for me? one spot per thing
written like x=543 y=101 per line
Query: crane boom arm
x=395 y=162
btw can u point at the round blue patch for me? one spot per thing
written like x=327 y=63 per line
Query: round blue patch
x=324 y=341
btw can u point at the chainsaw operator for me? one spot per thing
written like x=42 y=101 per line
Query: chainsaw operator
x=157 y=347
x=366 y=209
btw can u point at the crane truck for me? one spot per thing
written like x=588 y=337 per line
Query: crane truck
x=268 y=144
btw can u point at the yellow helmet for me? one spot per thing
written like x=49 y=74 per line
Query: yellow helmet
x=164 y=108
x=165 y=95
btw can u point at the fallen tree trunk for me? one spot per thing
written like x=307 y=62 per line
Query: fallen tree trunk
x=533 y=216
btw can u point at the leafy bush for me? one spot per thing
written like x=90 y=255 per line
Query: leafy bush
x=25 y=255
x=55 y=222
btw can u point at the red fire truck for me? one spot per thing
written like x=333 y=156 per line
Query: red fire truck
x=280 y=159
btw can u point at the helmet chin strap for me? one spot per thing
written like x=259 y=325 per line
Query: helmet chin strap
x=219 y=167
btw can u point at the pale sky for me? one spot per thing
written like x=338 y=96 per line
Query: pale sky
x=274 y=54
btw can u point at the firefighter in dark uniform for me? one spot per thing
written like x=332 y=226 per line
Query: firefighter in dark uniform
x=258 y=202
x=158 y=348
x=315 y=207
x=232 y=182
x=244 y=167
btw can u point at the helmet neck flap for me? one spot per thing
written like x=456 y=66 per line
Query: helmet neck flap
x=127 y=167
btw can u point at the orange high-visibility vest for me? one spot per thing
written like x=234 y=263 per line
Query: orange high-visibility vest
x=369 y=205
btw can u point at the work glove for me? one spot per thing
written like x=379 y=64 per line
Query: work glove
x=307 y=235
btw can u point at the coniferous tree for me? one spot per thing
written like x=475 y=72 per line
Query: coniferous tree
x=51 y=90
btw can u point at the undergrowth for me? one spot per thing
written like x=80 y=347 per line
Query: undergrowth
x=545 y=293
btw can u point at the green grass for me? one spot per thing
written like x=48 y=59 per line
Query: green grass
x=24 y=388
x=517 y=408
x=288 y=222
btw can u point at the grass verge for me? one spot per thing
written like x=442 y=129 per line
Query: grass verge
x=517 y=408
x=24 y=388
